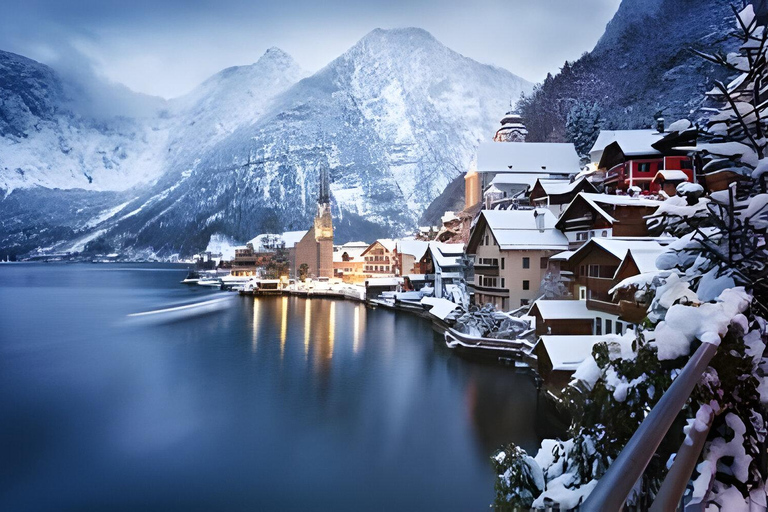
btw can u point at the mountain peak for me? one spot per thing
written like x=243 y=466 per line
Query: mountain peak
x=403 y=34
x=276 y=55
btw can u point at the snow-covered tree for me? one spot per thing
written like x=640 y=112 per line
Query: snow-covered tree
x=583 y=126
x=711 y=287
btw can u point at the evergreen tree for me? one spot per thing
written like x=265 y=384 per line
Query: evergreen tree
x=583 y=126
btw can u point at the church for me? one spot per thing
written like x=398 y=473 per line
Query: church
x=312 y=256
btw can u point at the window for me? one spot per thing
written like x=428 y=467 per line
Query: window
x=526 y=262
x=582 y=270
x=524 y=302
x=598 y=326
x=594 y=271
x=526 y=285
x=605 y=233
x=543 y=262
x=608 y=326
x=619 y=327
x=502 y=263
x=580 y=237
x=502 y=282
x=486 y=240
x=644 y=167
x=582 y=293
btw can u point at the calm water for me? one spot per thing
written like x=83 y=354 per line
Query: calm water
x=272 y=404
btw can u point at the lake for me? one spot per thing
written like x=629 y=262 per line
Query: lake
x=275 y=403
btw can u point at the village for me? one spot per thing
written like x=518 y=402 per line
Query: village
x=549 y=256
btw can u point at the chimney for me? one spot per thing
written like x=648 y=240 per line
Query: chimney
x=660 y=124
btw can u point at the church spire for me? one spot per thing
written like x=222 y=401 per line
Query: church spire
x=324 y=194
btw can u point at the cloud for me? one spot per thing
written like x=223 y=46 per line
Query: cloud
x=168 y=47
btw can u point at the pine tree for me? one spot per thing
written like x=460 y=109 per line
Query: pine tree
x=583 y=126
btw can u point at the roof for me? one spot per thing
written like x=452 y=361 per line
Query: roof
x=631 y=142
x=515 y=178
x=532 y=157
x=645 y=257
x=265 y=241
x=415 y=248
x=291 y=238
x=563 y=309
x=671 y=175
x=562 y=186
x=597 y=201
x=383 y=281
x=446 y=255
x=387 y=243
x=562 y=256
x=644 y=250
x=525 y=229
x=568 y=352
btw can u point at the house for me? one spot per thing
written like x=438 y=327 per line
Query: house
x=562 y=317
x=602 y=263
x=518 y=166
x=633 y=158
x=559 y=356
x=380 y=258
x=348 y=262
x=602 y=215
x=511 y=250
x=408 y=254
x=312 y=256
x=558 y=194
x=446 y=263
x=246 y=262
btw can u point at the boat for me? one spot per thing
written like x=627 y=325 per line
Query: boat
x=193 y=277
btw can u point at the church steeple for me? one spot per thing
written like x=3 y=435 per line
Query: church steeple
x=512 y=129
x=323 y=219
x=324 y=194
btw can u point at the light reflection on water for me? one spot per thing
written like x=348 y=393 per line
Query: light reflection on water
x=275 y=403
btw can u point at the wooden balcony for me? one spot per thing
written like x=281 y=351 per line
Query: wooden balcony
x=604 y=307
x=487 y=270
x=631 y=312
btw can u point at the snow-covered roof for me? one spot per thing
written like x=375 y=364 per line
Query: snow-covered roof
x=631 y=142
x=506 y=179
x=562 y=256
x=446 y=255
x=527 y=157
x=415 y=248
x=598 y=200
x=645 y=256
x=354 y=250
x=383 y=281
x=518 y=229
x=644 y=251
x=441 y=308
x=448 y=217
x=291 y=238
x=388 y=243
x=671 y=175
x=563 y=309
x=557 y=187
x=568 y=352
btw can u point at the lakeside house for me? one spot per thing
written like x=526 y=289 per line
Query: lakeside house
x=446 y=263
x=511 y=250
x=556 y=195
x=348 y=262
x=380 y=258
x=603 y=215
x=646 y=159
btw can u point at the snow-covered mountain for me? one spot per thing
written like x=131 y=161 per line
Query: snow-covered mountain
x=46 y=141
x=395 y=119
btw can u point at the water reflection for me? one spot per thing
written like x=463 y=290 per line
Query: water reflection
x=362 y=407
x=255 y=324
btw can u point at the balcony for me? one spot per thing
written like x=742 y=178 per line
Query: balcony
x=487 y=270
x=603 y=306
x=631 y=312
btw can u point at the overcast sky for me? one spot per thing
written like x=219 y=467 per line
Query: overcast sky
x=166 y=48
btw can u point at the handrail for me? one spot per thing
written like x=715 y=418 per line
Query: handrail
x=668 y=497
x=612 y=489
